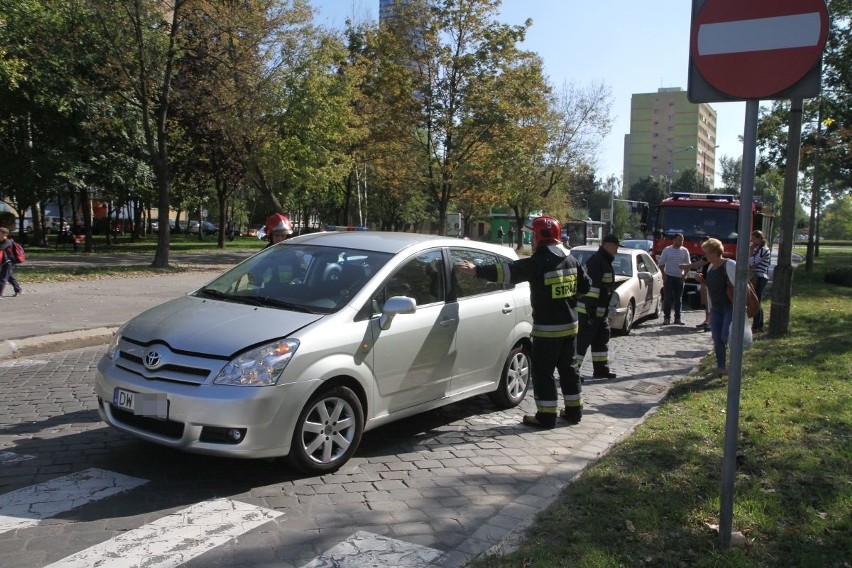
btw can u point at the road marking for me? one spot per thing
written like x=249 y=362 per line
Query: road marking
x=366 y=550
x=7 y=458
x=174 y=539
x=28 y=506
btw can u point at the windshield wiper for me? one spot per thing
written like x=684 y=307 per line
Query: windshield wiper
x=266 y=301
x=211 y=293
x=261 y=301
x=225 y=297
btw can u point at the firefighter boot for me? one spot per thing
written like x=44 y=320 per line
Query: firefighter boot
x=572 y=414
x=601 y=371
x=541 y=419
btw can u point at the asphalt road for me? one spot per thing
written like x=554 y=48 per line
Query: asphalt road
x=82 y=313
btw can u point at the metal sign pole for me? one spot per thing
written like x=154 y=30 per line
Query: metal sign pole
x=738 y=322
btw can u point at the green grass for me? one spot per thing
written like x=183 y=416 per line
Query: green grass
x=31 y=271
x=148 y=244
x=654 y=499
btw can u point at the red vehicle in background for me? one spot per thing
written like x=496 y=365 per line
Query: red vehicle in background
x=698 y=216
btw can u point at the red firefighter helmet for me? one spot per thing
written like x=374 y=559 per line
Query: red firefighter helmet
x=276 y=223
x=546 y=230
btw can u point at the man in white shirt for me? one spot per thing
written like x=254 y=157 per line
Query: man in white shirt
x=673 y=261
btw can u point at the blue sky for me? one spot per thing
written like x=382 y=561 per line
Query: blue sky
x=633 y=46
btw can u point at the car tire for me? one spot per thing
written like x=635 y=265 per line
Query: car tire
x=514 y=380
x=629 y=318
x=328 y=431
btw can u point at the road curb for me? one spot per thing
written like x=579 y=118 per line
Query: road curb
x=29 y=346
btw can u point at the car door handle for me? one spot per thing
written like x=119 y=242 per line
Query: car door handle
x=447 y=322
x=507 y=309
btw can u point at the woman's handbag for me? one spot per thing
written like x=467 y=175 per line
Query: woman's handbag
x=752 y=301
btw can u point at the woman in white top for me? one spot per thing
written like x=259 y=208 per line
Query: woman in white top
x=758 y=267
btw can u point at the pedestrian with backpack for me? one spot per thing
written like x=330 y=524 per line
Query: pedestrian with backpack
x=11 y=253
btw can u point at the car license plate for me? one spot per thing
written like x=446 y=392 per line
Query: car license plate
x=153 y=405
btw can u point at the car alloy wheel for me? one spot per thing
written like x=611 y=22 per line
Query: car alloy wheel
x=328 y=431
x=515 y=379
x=656 y=313
x=628 y=318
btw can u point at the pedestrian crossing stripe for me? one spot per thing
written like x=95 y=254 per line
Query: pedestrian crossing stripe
x=175 y=539
x=366 y=550
x=28 y=506
x=8 y=458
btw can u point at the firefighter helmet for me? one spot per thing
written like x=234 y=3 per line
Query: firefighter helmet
x=546 y=230
x=278 y=223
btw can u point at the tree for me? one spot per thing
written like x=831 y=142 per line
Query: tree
x=650 y=190
x=690 y=181
x=464 y=67
x=144 y=38
x=297 y=134
x=838 y=219
x=732 y=173
x=541 y=152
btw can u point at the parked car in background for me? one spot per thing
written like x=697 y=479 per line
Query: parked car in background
x=155 y=226
x=209 y=228
x=641 y=244
x=638 y=286
x=339 y=333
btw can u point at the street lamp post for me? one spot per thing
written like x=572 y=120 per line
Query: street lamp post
x=687 y=149
x=704 y=163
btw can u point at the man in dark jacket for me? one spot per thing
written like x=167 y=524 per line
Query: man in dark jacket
x=556 y=278
x=593 y=309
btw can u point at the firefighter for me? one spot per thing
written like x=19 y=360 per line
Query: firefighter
x=277 y=228
x=593 y=309
x=556 y=278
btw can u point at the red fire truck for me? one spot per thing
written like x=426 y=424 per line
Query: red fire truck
x=698 y=216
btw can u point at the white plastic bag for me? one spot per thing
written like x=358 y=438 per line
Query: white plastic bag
x=748 y=338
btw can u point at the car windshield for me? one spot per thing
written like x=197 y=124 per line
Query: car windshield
x=697 y=223
x=622 y=264
x=306 y=278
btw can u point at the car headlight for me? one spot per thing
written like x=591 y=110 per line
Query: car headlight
x=113 y=344
x=615 y=300
x=259 y=367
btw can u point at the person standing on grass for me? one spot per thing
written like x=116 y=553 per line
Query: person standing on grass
x=7 y=268
x=719 y=273
x=673 y=260
x=758 y=267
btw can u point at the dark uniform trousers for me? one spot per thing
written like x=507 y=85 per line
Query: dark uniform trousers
x=549 y=353
x=595 y=335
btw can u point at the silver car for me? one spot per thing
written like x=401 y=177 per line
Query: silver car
x=306 y=345
x=638 y=286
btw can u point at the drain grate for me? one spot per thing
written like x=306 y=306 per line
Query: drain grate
x=648 y=388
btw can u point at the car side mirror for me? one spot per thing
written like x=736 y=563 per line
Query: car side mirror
x=393 y=307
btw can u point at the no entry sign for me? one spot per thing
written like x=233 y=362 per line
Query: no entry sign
x=756 y=49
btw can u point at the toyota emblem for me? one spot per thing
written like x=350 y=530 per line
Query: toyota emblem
x=152 y=360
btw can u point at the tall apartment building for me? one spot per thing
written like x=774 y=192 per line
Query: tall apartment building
x=387 y=8
x=669 y=135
